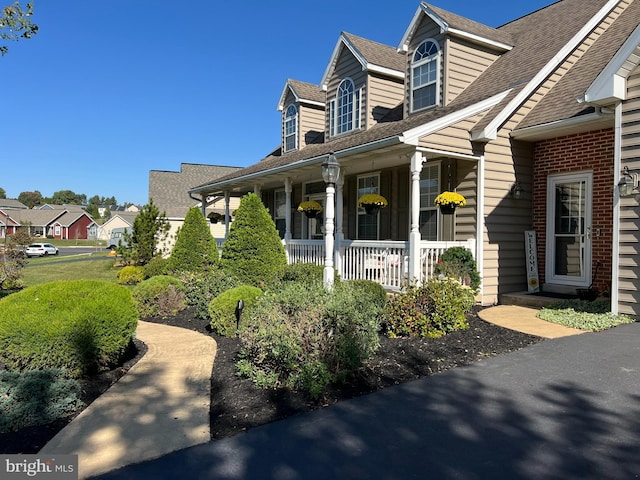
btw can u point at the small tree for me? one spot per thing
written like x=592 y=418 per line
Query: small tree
x=195 y=249
x=253 y=250
x=150 y=227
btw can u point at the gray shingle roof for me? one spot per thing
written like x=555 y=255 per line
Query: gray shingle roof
x=307 y=91
x=378 y=53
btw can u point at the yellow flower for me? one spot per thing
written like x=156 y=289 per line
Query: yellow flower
x=310 y=205
x=372 y=199
x=448 y=198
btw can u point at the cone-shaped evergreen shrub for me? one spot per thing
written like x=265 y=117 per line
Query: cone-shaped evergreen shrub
x=195 y=249
x=253 y=251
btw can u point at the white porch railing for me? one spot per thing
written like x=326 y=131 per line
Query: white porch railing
x=384 y=262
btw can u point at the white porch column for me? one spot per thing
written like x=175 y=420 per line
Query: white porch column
x=329 y=274
x=414 y=234
x=337 y=255
x=287 y=219
x=227 y=217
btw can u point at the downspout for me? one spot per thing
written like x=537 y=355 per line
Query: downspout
x=615 y=250
x=480 y=227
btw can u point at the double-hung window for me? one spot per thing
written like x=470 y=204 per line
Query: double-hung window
x=424 y=76
x=368 y=224
x=344 y=111
x=429 y=190
x=291 y=128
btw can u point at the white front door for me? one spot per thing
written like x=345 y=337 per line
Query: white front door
x=568 y=251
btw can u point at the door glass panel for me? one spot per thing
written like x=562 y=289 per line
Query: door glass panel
x=569 y=235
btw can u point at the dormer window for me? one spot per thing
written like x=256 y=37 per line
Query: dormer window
x=291 y=128
x=345 y=110
x=424 y=76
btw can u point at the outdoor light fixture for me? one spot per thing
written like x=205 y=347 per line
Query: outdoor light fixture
x=516 y=190
x=330 y=169
x=628 y=183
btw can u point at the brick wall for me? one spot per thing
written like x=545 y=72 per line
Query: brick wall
x=576 y=153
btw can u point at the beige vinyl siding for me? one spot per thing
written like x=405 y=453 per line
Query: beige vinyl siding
x=311 y=118
x=347 y=66
x=464 y=62
x=629 y=281
x=454 y=138
x=427 y=29
x=383 y=94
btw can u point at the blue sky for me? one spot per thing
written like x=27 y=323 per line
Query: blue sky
x=110 y=89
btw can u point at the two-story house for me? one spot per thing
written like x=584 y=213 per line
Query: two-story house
x=534 y=123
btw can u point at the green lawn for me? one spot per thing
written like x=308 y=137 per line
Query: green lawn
x=90 y=267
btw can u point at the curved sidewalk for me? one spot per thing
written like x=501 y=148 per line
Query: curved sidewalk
x=159 y=406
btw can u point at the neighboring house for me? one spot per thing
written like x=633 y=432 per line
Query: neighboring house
x=169 y=192
x=12 y=204
x=7 y=224
x=533 y=122
x=119 y=220
x=61 y=223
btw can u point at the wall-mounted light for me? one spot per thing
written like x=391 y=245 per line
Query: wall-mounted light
x=516 y=190
x=628 y=183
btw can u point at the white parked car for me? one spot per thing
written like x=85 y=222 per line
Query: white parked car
x=41 y=250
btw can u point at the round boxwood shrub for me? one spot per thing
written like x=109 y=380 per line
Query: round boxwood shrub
x=82 y=326
x=159 y=296
x=370 y=291
x=253 y=250
x=458 y=263
x=222 y=309
x=156 y=266
x=130 y=275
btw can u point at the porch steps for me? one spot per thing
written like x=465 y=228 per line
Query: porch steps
x=526 y=299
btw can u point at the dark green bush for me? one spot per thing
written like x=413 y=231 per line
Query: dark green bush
x=222 y=309
x=36 y=397
x=82 y=326
x=156 y=266
x=303 y=272
x=200 y=288
x=195 y=249
x=159 y=296
x=130 y=275
x=253 y=250
x=431 y=310
x=370 y=291
x=458 y=263
x=303 y=338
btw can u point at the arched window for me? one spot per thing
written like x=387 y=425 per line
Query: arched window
x=345 y=109
x=425 y=73
x=291 y=128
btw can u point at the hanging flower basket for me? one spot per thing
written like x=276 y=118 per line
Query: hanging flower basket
x=449 y=201
x=215 y=217
x=372 y=203
x=310 y=208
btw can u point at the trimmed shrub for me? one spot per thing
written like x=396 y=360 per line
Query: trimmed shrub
x=156 y=266
x=303 y=272
x=195 y=249
x=159 y=296
x=82 y=326
x=222 y=309
x=130 y=275
x=431 y=310
x=370 y=291
x=36 y=397
x=253 y=250
x=200 y=288
x=303 y=338
x=458 y=263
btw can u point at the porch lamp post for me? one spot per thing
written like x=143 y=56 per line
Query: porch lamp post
x=330 y=175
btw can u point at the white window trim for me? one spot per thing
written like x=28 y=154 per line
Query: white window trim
x=356 y=117
x=438 y=61
x=295 y=119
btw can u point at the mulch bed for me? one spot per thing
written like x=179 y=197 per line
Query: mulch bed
x=237 y=405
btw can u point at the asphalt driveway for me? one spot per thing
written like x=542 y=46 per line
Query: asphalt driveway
x=566 y=408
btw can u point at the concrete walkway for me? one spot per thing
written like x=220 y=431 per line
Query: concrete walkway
x=523 y=319
x=159 y=406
